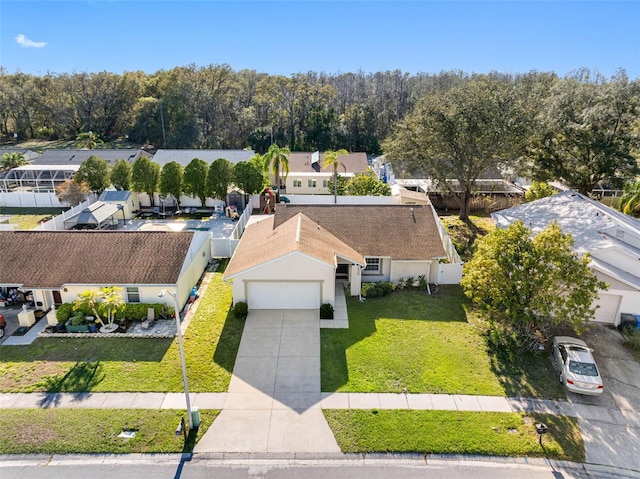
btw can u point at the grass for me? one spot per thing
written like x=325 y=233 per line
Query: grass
x=464 y=234
x=408 y=340
x=425 y=344
x=132 y=364
x=29 y=218
x=456 y=432
x=63 y=431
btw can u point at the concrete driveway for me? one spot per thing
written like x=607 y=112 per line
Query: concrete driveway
x=11 y=317
x=273 y=403
x=610 y=423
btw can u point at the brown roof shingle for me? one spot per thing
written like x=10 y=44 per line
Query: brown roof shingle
x=406 y=232
x=261 y=242
x=50 y=259
x=301 y=163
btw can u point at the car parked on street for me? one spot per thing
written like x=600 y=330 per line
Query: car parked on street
x=578 y=370
x=3 y=324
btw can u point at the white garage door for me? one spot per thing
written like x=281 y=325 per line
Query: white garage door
x=283 y=295
x=608 y=309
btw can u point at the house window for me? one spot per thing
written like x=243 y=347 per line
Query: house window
x=297 y=183
x=373 y=266
x=312 y=183
x=325 y=183
x=133 y=295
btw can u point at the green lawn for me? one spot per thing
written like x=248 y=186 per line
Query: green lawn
x=131 y=364
x=64 y=431
x=425 y=344
x=29 y=218
x=454 y=432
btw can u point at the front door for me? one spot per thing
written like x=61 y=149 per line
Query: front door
x=57 y=299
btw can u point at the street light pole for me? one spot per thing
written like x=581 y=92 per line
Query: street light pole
x=181 y=347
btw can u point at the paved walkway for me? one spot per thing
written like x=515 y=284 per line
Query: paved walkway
x=273 y=403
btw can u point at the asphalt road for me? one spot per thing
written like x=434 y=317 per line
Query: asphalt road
x=148 y=467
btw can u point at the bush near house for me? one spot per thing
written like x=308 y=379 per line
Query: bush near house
x=241 y=310
x=376 y=290
x=131 y=312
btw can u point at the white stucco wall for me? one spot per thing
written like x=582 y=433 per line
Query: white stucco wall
x=297 y=266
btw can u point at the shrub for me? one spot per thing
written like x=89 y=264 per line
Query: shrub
x=366 y=288
x=410 y=282
x=63 y=312
x=241 y=310
x=422 y=282
x=372 y=292
x=387 y=287
x=326 y=311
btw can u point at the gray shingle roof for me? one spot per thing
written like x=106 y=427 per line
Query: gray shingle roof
x=76 y=157
x=51 y=259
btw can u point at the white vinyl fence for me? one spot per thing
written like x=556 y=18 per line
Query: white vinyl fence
x=57 y=223
x=30 y=200
x=224 y=247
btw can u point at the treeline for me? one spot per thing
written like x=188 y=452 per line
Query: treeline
x=217 y=107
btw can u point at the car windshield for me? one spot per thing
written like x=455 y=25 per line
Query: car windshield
x=584 y=369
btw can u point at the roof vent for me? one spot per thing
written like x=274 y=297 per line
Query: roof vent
x=413 y=214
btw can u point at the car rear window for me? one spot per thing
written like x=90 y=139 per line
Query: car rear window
x=584 y=369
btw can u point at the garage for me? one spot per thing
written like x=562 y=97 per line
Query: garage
x=608 y=310
x=283 y=294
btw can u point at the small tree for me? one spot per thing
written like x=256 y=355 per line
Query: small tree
x=332 y=159
x=96 y=172
x=630 y=201
x=367 y=184
x=72 y=192
x=219 y=178
x=248 y=177
x=145 y=176
x=341 y=188
x=171 y=180
x=88 y=140
x=13 y=160
x=195 y=179
x=106 y=301
x=530 y=284
x=121 y=175
x=538 y=190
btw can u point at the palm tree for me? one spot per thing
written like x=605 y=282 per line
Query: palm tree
x=106 y=300
x=331 y=158
x=91 y=298
x=630 y=201
x=88 y=140
x=111 y=302
x=276 y=157
x=13 y=160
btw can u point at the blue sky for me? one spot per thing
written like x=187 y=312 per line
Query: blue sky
x=288 y=37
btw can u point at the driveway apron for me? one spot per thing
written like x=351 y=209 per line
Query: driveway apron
x=273 y=403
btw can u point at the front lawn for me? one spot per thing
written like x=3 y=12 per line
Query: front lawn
x=424 y=343
x=132 y=364
x=93 y=431
x=455 y=432
x=408 y=340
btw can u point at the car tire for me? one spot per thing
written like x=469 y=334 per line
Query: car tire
x=1 y=332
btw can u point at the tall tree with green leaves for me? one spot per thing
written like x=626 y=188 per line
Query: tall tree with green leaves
x=586 y=133
x=13 y=160
x=171 y=180
x=538 y=190
x=278 y=160
x=454 y=136
x=219 y=178
x=88 y=140
x=332 y=159
x=195 y=179
x=145 y=176
x=96 y=172
x=530 y=284
x=121 y=175
x=248 y=177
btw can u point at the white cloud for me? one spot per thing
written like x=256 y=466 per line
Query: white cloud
x=26 y=43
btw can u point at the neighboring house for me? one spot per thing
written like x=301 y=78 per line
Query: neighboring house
x=28 y=155
x=58 y=265
x=612 y=239
x=184 y=157
x=57 y=157
x=308 y=177
x=292 y=259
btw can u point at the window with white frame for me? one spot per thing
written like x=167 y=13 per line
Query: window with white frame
x=133 y=295
x=312 y=183
x=297 y=183
x=373 y=266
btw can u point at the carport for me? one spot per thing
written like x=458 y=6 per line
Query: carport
x=95 y=216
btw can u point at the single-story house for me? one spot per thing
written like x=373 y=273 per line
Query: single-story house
x=293 y=259
x=611 y=237
x=58 y=265
x=308 y=177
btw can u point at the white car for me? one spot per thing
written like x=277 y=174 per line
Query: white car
x=578 y=370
